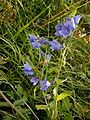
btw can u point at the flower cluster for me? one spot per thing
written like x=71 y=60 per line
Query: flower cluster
x=39 y=42
x=44 y=84
x=63 y=30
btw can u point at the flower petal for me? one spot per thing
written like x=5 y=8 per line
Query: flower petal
x=32 y=38
x=36 y=44
x=34 y=80
x=44 y=85
x=77 y=19
x=27 y=69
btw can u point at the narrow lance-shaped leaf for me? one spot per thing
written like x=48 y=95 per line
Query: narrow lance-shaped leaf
x=63 y=95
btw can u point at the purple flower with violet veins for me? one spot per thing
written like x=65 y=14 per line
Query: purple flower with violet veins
x=37 y=42
x=34 y=80
x=55 y=45
x=44 y=85
x=27 y=69
x=65 y=29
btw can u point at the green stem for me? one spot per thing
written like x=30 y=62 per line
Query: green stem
x=55 y=108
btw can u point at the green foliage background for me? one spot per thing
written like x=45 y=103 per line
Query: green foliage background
x=18 y=19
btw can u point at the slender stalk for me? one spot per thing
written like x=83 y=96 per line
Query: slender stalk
x=20 y=98
x=5 y=113
x=55 y=108
x=5 y=98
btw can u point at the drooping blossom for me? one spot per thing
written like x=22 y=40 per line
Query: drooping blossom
x=65 y=29
x=32 y=38
x=27 y=69
x=37 y=42
x=55 y=45
x=34 y=80
x=44 y=85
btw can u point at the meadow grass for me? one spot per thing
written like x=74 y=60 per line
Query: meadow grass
x=18 y=97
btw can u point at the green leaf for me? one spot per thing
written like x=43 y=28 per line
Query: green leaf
x=67 y=116
x=19 y=89
x=73 y=13
x=52 y=104
x=66 y=105
x=2 y=104
x=78 y=109
x=63 y=95
x=41 y=107
x=53 y=69
x=35 y=92
x=88 y=73
x=21 y=101
x=11 y=94
x=1 y=7
x=87 y=18
x=2 y=78
x=58 y=81
x=88 y=116
x=82 y=75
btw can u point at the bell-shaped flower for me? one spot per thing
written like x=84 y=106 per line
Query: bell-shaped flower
x=27 y=69
x=34 y=80
x=65 y=29
x=55 y=45
x=37 y=42
x=44 y=85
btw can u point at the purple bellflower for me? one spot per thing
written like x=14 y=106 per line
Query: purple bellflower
x=27 y=69
x=65 y=29
x=34 y=80
x=44 y=85
x=37 y=42
x=32 y=38
x=55 y=45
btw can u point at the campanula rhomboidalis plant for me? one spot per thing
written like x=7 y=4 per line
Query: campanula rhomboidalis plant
x=44 y=59
x=42 y=82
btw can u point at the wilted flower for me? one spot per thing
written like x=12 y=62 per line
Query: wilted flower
x=65 y=29
x=48 y=96
x=27 y=69
x=48 y=57
x=34 y=80
x=44 y=84
x=37 y=42
x=42 y=53
x=55 y=45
